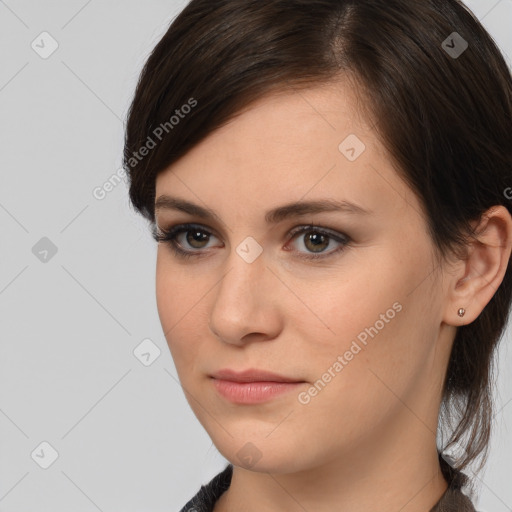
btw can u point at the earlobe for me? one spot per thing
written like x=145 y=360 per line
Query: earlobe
x=484 y=268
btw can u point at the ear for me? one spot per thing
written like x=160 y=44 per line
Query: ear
x=476 y=279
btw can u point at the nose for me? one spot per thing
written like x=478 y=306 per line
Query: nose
x=247 y=303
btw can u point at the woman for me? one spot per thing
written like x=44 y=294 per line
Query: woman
x=327 y=180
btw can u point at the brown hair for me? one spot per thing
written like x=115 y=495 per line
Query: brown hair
x=444 y=118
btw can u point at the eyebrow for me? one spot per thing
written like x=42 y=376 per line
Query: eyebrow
x=296 y=209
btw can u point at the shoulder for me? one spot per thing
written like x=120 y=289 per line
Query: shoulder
x=454 y=500
x=208 y=494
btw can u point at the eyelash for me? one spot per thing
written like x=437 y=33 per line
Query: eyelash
x=168 y=236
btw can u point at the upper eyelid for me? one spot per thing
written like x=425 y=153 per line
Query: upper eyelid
x=191 y=225
x=315 y=227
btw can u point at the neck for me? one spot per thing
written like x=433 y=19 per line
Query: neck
x=393 y=473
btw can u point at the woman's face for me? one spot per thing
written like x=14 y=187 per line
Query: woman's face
x=361 y=327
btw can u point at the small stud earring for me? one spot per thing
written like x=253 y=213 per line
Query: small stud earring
x=461 y=312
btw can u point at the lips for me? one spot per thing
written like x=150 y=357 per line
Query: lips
x=252 y=386
x=252 y=375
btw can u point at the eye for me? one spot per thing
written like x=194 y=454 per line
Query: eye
x=196 y=237
x=315 y=240
x=188 y=240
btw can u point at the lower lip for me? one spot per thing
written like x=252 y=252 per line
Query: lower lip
x=252 y=392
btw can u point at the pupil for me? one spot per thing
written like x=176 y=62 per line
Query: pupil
x=317 y=240
x=192 y=240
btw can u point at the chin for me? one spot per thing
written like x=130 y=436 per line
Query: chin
x=263 y=456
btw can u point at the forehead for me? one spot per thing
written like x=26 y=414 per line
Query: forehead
x=296 y=144
x=289 y=121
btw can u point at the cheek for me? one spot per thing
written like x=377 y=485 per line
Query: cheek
x=364 y=326
x=166 y=287
x=175 y=299
x=377 y=358
x=178 y=291
x=342 y=308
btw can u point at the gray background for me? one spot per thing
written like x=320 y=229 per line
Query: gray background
x=125 y=435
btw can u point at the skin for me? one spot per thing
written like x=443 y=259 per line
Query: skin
x=366 y=441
